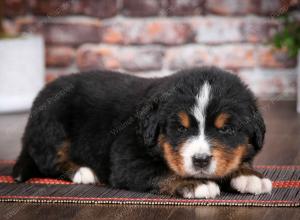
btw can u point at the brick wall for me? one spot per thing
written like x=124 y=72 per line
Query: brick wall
x=155 y=38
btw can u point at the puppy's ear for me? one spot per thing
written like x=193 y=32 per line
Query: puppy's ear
x=148 y=118
x=258 y=130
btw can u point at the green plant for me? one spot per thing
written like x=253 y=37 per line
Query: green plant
x=289 y=36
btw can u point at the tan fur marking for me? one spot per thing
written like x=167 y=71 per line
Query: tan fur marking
x=227 y=160
x=173 y=184
x=168 y=184
x=184 y=119
x=221 y=120
x=246 y=170
x=172 y=157
x=64 y=162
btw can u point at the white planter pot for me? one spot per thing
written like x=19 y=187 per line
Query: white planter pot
x=22 y=70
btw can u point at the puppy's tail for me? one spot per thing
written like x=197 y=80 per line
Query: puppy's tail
x=25 y=167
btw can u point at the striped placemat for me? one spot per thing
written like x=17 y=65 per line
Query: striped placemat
x=286 y=191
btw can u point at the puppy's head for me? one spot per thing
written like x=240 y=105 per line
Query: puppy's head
x=207 y=125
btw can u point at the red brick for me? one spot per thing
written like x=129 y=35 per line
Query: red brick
x=215 y=30
x=93 y=57
x=238 y=7
x=142 y=59
x=186 y=56
x=232 y=7
x=270 y=57
x=53 y=8
x=14 y=8
x=274 y=7
x=186 y=7
x=141 y=8
x=219 y=30
x=225 y=56
x=101 y=9
x=72 y=31
x=59 y=56
x=154 y=31
x=259 y=29
x=66 y=31
x=112 y=57
x=235 y=56
x=114 y=33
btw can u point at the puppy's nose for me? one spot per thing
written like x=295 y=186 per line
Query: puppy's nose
x=201 y=160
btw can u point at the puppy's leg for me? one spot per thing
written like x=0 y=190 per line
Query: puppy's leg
x=72 y=171
x=148 y=178
x=25 y=167
x=78 y=174
x=247 y=180
x=188 y=188
x=85 y=175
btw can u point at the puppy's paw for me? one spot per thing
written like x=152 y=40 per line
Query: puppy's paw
x=201 y=190
x=85 y=175
x=251 y=184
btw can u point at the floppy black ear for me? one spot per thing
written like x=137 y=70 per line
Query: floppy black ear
x=258 y=130
x=149 y=122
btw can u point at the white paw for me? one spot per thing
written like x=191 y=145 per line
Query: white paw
x=208 y=190
x=251 y=184
x=85 y=175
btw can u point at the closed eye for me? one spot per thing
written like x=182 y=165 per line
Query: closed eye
x=227 y=130
x=181 y=129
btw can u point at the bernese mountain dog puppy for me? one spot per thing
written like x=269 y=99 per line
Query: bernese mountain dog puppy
x=189 y=134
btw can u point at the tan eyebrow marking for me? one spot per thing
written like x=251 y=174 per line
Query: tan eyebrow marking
x=184 y=119
x=221 y=119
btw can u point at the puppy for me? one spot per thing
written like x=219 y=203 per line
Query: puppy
x=187 y=134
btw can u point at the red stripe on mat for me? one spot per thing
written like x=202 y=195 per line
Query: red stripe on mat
x=147 y=199
x=9 y=179
x=286 y=184
x=279 y=167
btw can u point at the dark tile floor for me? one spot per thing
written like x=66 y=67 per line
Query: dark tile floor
x=282 y=147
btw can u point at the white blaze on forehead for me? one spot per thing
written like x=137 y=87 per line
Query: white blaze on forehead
x=198 y=144
x=202 y=100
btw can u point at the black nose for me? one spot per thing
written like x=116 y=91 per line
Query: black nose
x=201 y=160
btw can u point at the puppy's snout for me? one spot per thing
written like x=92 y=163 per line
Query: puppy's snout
x=201 y=160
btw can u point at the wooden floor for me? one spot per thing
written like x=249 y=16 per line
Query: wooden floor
x=282 y=147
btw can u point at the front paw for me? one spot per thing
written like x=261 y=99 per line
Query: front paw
x=251 y=184
x=200 y=190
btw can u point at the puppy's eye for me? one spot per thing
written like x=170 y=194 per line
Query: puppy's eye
x=181 y=129
x=227 y=130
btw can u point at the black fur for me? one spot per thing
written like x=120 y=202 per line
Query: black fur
x=113 y=122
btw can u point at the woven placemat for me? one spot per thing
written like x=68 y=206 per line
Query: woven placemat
x=286 y=191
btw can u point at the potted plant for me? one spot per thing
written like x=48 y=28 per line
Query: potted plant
x=21 y=68
x=288 y=38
